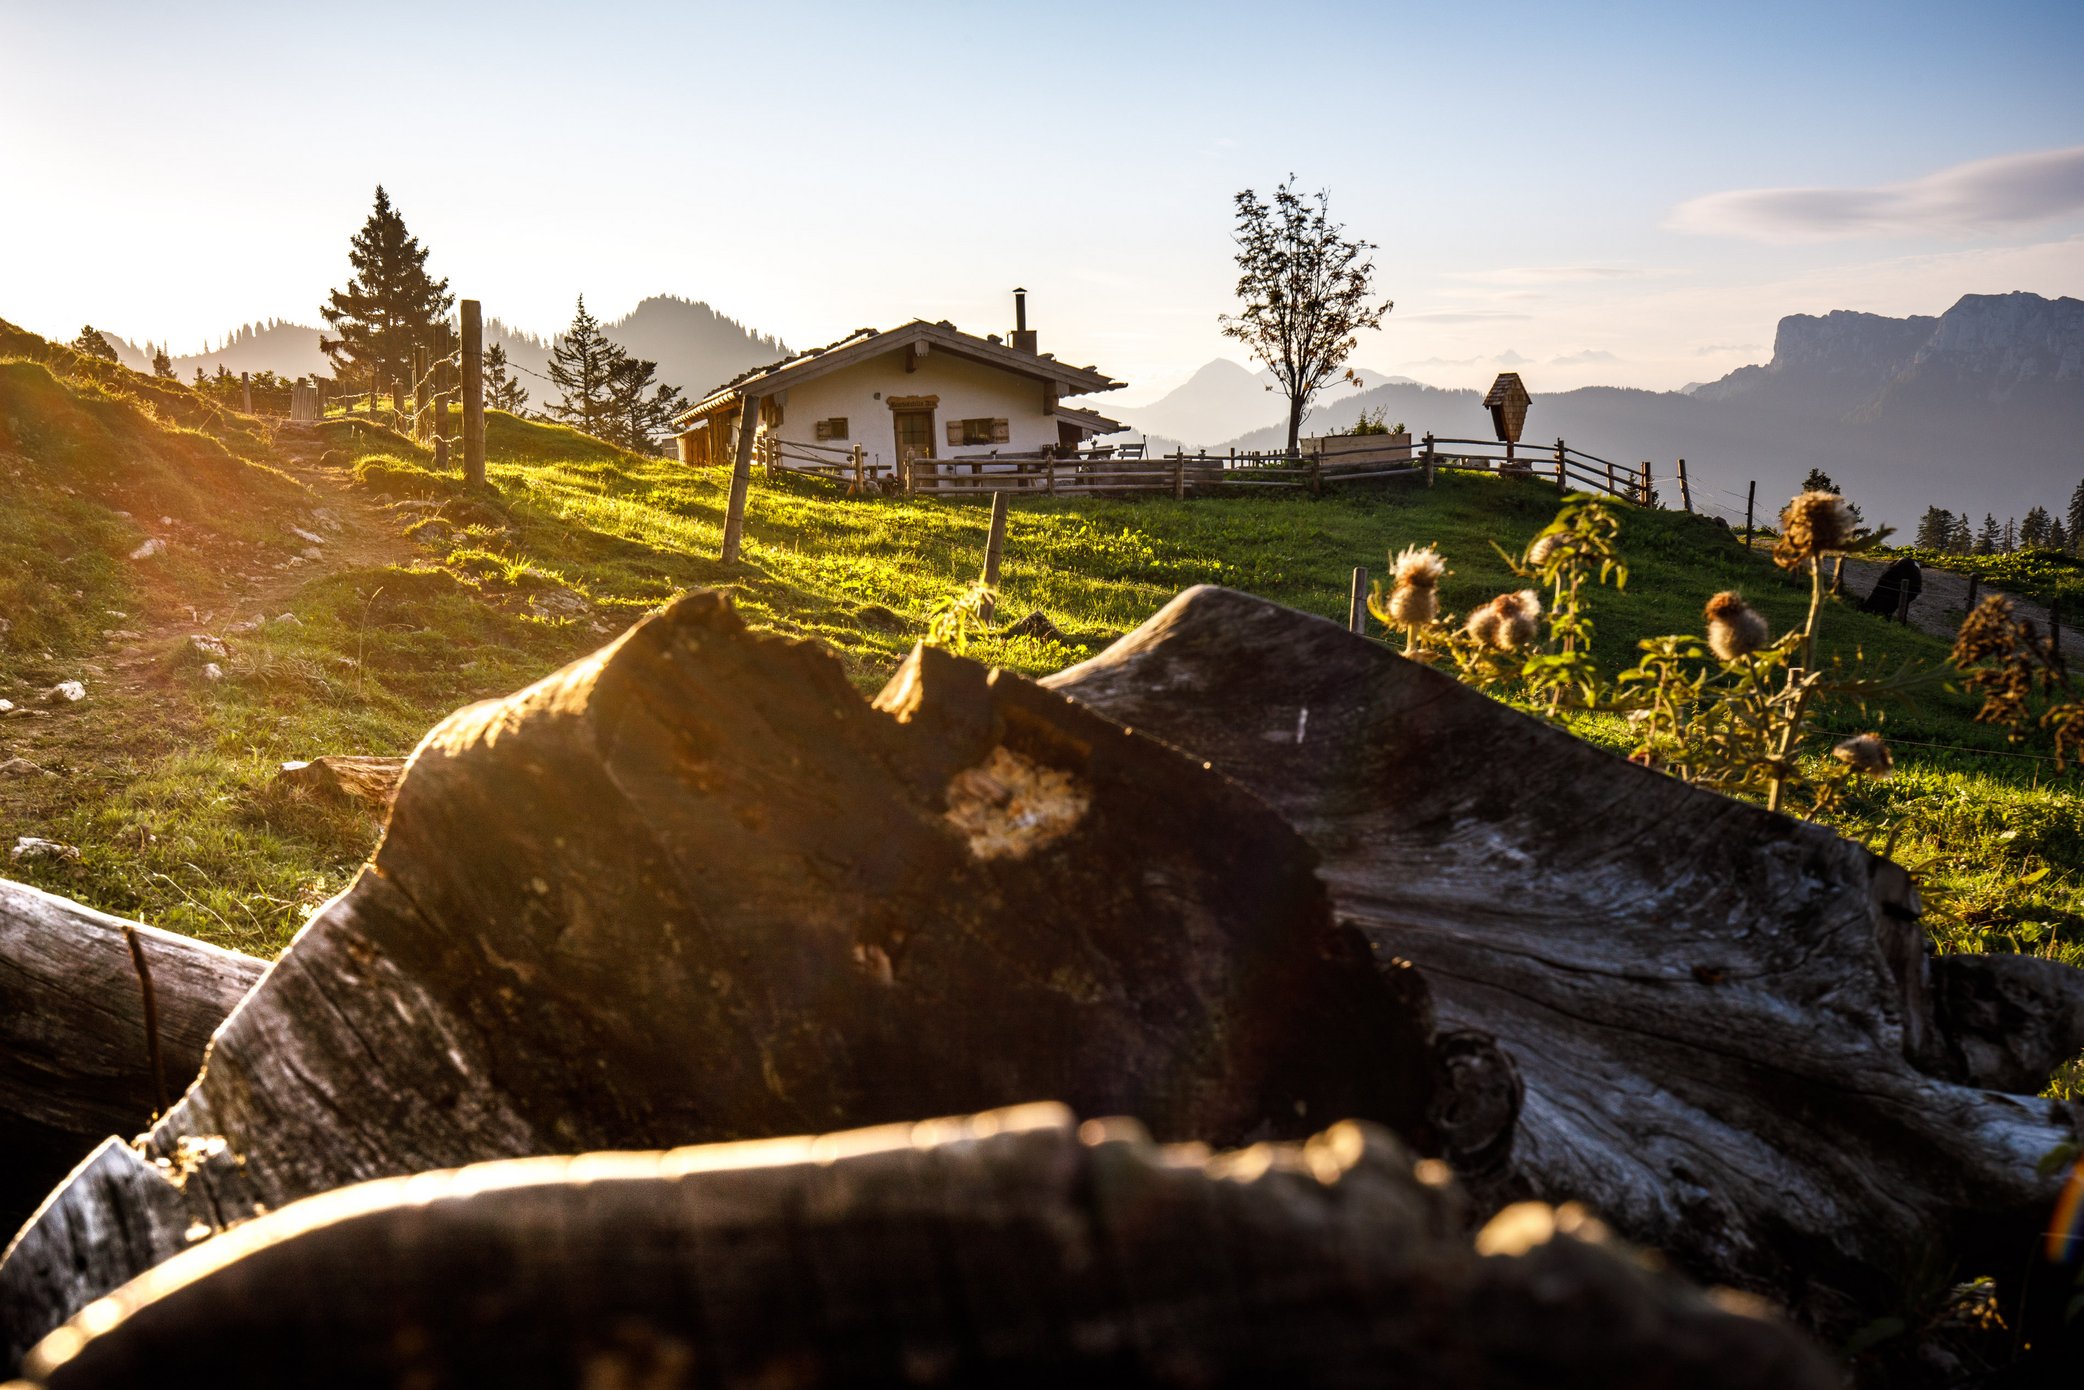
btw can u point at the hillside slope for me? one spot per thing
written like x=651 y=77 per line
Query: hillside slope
x=404 y=598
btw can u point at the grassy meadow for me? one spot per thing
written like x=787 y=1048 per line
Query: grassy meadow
x=425 y=598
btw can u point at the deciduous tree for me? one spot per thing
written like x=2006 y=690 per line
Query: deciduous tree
x=1306 y=289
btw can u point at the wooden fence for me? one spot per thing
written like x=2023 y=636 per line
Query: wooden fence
x=1202 y=474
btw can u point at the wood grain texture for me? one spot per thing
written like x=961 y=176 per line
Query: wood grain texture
x=1725 y=1020
x=1005 y=1248
x=73 y=1054
x=696 y=888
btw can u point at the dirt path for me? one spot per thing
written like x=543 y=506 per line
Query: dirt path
x=1942 y=603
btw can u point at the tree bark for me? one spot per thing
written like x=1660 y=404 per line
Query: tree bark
x=696 y=888
x=1013 y=1247
x=1733 y=1042
x=75 y=1053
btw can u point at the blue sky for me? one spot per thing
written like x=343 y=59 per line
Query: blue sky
x=1567 y=188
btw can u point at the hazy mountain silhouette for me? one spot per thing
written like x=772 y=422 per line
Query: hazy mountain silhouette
x=695 y=348
x=1980 y=409
x=1224 y=399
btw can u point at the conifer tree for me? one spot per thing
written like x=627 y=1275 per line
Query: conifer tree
x=390 y=307
x=91 y=343
x=2076 y=516
x=583 y=366
x=162 y=365
x=1989 y=538
x=643 y=409
x=1963 y=538
x=502 y=390
x=2033 y=531
x=1935 y=529
x=2058 y=538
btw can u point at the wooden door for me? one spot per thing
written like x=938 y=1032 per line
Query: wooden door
x=914 y=433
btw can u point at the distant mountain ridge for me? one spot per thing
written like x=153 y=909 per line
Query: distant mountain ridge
x=1979 y=409
x=695 y=348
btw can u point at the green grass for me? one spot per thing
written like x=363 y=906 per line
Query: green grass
x=166 y=785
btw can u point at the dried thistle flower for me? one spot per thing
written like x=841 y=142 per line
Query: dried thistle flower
x=1865 y=753
x=1735 y=628
x=1544 y=548
x=1813 y=524
x=1415 y=601
x=1507 y=622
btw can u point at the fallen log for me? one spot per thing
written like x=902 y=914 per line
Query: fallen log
x=1012 y=1247
x=696 y=888
x=77 y=1052
x=1733 y=1042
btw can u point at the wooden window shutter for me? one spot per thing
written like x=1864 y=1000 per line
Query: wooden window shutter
x=1001 y=432
x=824 y=429
x=955 y=431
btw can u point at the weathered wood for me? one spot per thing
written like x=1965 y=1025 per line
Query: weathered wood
x=1357 y=602
x=741 y=477
x=1731 y=1039
x=473 y=393
x=696 y=888
x=1006 y=1248
x=365 y=781
x=994 y=552
x=75 y=1053
x=1685 y=488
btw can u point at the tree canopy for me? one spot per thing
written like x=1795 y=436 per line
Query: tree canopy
x=1306 y=290
x=390 y=307
x=607 y=392
x=93 y=343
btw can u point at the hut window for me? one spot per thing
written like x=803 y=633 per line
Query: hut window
x=835 y=428
x=984 y=431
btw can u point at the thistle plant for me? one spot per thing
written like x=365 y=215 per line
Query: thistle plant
x=1412 y=603
x=1578 y=547
x=2020 y=675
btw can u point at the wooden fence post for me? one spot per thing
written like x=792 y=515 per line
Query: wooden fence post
x=2055 y=624
x=994 y=549
x=1357 y=602
x=1750 y=497
x=1685 y=488
x=860 y=479
x=441 y=452
x=1316 y=476
x=246 y=392
x=1429 y=458
x=420 y=368
x=1049 y=475
x=1611 y=490
x=1974 y=582
x=1649 y=486
x=1179 y=476
x=741 y=476
x=473 y=393
x=1562 y=483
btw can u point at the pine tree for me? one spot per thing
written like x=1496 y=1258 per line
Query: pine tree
x=502 y=391
x=1935 y=529
x=643 y=410
x=1818 y=481
x=1962 y=541
x=2058 y=539
x=390 y=307
x=2033 y=531
x=91 y=343
x=162 y=365
x=583 y=366
x=2076 y=516
x=1989 y=538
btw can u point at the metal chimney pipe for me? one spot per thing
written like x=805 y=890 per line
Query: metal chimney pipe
x=1020 y=311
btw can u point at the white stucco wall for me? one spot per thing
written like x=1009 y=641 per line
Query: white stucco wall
x=967 y=390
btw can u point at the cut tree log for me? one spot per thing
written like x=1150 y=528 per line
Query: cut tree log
x=1733 y=1042
x=352 y=778
x=696 y=888
x=1006 y=1248
x=76 y=1053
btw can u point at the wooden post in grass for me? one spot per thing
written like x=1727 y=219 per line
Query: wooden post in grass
x=1562 y=482
x=473 y=393
x=1357 y=602
x=441 y=452
x=2055 y=624
x=1649 y=487
x=419 y=393
x=1974 y=582
x=1179 y=476
x=246 y=392
x=741 y=476
x=1750 y=497
x=860 y=480
x=1685 y=488
x=994 y=551
x=1429 y=458
x=1611 y=490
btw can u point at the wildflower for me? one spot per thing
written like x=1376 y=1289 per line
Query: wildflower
x=1865 y=753
x=1508 y=621
x=1415 y=599
x=1814 y=524
x=1735 y=628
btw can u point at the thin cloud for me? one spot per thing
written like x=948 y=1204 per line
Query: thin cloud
x=2013 y=190
x=1471 y=316
x=1719 y=349
x=1583 y=359
x=1542 y=274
